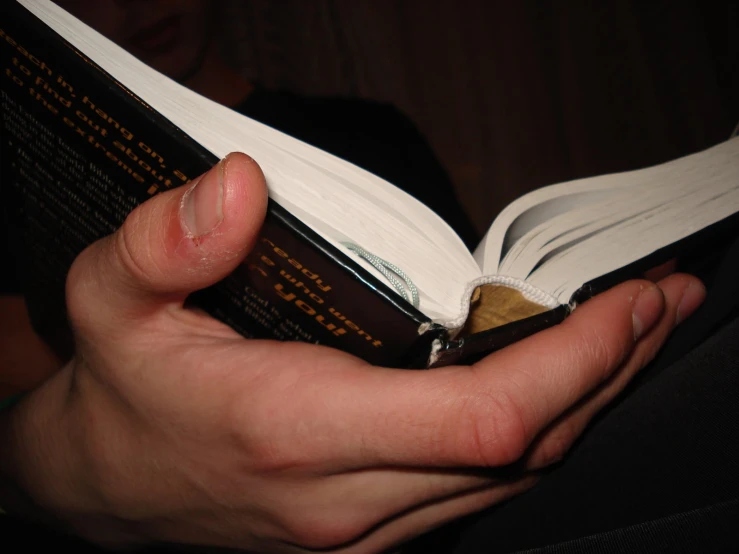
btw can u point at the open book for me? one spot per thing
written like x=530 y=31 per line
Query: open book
x=345 y=259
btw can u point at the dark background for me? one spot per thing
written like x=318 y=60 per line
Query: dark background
x=513 y=94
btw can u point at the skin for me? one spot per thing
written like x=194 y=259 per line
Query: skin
x=167 y=426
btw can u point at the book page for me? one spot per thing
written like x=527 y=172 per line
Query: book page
x=638 y=237
x=646 y=211
x=537 y=207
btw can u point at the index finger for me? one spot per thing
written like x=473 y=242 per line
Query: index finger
x=488 y=414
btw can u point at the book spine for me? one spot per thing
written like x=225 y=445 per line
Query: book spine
x=472 y=348
x=79 y=152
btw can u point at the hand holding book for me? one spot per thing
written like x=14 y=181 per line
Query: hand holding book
x=169 y=426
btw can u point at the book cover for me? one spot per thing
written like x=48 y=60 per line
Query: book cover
x=79 y=152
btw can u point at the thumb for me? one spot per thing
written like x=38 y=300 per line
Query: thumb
x=175 y=243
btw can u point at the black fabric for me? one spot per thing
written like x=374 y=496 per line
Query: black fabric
x=374 y=136
x=710 y=529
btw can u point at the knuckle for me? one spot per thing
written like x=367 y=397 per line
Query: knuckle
x=264 y=442
x=497 y=433
x=325 y=531
x=133 y=255
x=598 y=352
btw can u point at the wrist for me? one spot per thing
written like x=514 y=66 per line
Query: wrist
x=12 y=499
x=30 y=455
x=44 y=474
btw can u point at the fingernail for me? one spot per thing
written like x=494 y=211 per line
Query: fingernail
x=646 y=309
x=693 y=297
x=202 y=205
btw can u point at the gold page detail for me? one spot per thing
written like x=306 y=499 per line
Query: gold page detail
x=495 y=305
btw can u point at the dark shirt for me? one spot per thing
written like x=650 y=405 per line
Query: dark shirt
x=371 y=135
